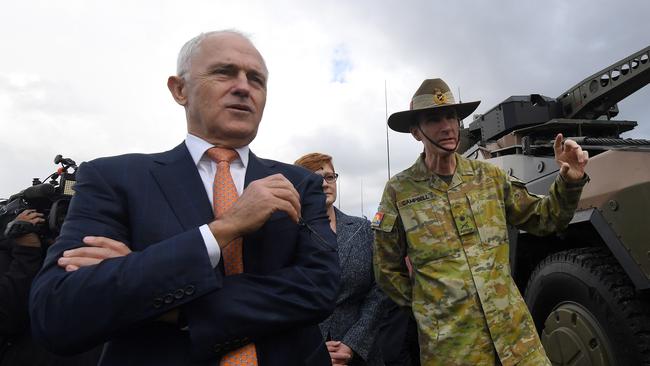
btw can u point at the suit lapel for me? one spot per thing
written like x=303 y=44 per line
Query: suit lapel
x=345 y=231
x=257 y=169
x=179 y=180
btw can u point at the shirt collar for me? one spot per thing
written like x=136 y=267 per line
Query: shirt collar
x=198 y=146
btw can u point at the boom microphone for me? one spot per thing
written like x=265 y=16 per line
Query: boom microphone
x=40 y=191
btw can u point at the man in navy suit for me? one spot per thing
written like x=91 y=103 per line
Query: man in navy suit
x=139 y=264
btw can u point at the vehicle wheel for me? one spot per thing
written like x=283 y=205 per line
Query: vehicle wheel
x=587 y=310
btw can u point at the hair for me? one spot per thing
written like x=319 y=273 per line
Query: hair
x=314 y=161
x=190 y=47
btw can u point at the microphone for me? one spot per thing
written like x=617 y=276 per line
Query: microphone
x=37 y=192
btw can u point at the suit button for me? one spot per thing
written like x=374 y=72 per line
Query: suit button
x=189 y=290
x=178 y=294
x=157 y=302
x=217 y=348
x=168 y=299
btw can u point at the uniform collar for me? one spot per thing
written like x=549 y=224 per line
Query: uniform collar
x=463 y=166
x=420 y=172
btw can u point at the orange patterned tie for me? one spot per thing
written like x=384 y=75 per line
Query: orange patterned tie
x=224 y=195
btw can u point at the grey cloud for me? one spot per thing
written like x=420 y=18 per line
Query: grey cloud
x=48 y=96
x=107 y=86
x=494 y=50
x=490 y=50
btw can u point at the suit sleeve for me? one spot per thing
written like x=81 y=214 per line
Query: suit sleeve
x=362 y=335
x=73 y=311
x=390 y=269
x=15 y=281
x=252 y=306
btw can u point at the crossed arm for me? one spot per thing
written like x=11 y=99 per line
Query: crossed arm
x=256 y=205
x=107 y=277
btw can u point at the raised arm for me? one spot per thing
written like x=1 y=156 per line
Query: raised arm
x=542 y=215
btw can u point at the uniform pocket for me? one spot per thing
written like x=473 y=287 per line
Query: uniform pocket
x=490 y=216
x=427 y=232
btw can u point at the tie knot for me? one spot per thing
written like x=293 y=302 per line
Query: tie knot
x=220 y=154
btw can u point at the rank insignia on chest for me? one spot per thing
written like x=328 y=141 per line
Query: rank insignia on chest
x=464 y=221
x=376 y=220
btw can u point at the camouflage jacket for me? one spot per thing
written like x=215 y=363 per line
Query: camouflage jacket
x=461 y=292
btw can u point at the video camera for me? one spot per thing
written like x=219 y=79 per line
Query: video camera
x=51 y=199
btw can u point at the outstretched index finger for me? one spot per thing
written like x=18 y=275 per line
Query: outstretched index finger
x=557 y=145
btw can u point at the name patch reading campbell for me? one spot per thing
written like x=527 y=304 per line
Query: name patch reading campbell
x=409 y=201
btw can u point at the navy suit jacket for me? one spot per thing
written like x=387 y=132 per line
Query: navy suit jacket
x=155 y=204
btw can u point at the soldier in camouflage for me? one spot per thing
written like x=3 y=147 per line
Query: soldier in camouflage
x=449 y=215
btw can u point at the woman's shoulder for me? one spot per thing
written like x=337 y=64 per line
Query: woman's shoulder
x=343 y=217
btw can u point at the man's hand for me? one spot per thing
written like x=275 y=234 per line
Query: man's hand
x=571 y=158
x=31 y=239
x=340 y=353
x=257 y=203
x=98 y=248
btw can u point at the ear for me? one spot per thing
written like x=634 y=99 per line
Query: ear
x=415 y=132
x=176 y=85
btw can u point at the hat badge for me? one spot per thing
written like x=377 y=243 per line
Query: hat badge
x=439 y=97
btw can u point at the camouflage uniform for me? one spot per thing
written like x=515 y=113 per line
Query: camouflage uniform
x=461 y=292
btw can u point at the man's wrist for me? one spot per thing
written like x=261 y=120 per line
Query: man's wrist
x=211 y=245
x=223 y=232
x=575 y=183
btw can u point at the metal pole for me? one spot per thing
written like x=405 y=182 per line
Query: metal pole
x=338 y=192
x=386 y=121
x=362 y=215
x=460 y=100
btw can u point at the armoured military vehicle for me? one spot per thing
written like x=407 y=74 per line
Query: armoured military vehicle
x=588 y=288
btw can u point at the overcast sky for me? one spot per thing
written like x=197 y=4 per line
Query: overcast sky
x=88 y=78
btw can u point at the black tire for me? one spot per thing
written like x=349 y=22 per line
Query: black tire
x=587 y=310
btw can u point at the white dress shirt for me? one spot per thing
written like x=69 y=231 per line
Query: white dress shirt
x=207 y=169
